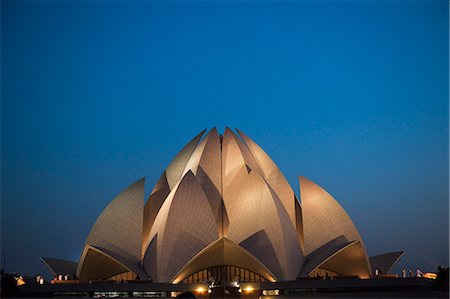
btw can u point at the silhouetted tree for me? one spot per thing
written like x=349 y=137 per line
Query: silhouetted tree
x=9 y=286
x=441 y=282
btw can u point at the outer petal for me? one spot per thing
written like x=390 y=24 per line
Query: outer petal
x=58 y=266
x=350 y=261
x=273 y=176
x=324 y=219
x=99 y=263
x=151 y=208
x=252 y=207
x=206 y=164
x=183 y=226
x=168 y=180
x=175 y=170
x=323 y=253
x=119 y=228
x=385 y=262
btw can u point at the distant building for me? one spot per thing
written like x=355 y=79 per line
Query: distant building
x=222 y=211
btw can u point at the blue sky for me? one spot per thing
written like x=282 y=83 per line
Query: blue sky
x=351 y=94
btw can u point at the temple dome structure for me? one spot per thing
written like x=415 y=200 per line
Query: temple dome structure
x=222 y=210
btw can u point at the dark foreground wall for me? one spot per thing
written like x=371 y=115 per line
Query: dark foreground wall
x=338 y=288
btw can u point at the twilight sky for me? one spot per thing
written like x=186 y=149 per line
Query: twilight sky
x=351 y=94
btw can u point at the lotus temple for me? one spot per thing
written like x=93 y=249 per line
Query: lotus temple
x=221 y=215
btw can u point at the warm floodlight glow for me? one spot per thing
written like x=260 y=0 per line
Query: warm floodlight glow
x=249 y=289
x=200 y=290
x=430 y=275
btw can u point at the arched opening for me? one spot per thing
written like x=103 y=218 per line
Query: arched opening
x=223 y=273
x=224 y=260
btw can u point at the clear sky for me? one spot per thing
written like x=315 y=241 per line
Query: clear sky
x=351 y=94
